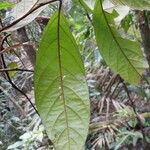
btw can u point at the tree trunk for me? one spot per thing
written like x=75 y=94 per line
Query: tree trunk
x=143 y=26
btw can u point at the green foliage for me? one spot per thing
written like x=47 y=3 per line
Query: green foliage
x=12 y=65
x=121 y=54
x=29 y=139
x=60 y=87
x=126 y=22
x=4 y=5
x=127 y=137
x=61 y=93
x=84 y=4
x=136 y=4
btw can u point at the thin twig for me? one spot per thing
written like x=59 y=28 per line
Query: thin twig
x=89 y=18
x=27 y=14
x=3 y=40
x=15 y=46
x=134 y=109
x=8 y=77
x=16 y=69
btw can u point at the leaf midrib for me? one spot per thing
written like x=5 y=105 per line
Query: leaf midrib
x=61 y=73
x=116 y=39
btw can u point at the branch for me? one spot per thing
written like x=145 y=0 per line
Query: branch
x=15 y=46
x=16 y=69
x=134 y=109
x=8 y=77
x=142 y=23
x=27 y=14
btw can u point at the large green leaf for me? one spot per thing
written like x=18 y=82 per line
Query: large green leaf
x=4 y=5
x=124 y=56
x=136 y=4
x=60 y=87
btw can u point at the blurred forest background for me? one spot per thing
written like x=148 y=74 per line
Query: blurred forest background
x=120 y=114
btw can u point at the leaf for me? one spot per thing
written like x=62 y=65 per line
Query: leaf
x=20 y=10
x=122 y=55
x=126 y=22
x=12 y=65
x=88 y=5
x=121 y=141
x=135 y=4
x=121 y=10
x=4 y=5
x=60 y=87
